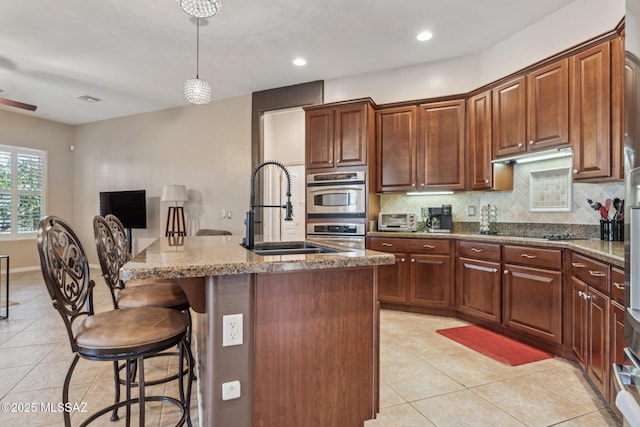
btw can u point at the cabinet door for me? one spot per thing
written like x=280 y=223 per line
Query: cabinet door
x=532 y=301
x=479 y=141
x=548 y=106
x=598 y=331
x=392 y=280
x=351 y=139
x=478 y=290
x=616 y=342
x=320 y=138
x=396 y=149
x=579 y=320
x=430 y=280
x=509 y=118
x=441 y=158
x=591 y=113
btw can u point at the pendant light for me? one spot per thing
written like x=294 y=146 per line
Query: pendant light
x=197 y=91
x=200 y=8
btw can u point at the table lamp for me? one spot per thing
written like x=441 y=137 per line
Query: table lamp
x=175 y=215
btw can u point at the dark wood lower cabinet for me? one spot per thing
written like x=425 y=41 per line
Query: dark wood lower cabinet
x=533 y=301
x=430 y=280
x=315 y=348
x=392 y=280
x=479 y=288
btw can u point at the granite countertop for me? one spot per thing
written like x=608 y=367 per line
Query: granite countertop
x=222 y=255
x=610 y=252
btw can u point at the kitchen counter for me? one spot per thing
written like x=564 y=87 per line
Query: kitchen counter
x=610 y=252
x=298 y=314
x=223 y=255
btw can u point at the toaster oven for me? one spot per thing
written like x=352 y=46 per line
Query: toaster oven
x=400 y=221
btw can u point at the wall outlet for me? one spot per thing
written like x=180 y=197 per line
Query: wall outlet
x=231 y=390
x=471 y=210
x=231 y=330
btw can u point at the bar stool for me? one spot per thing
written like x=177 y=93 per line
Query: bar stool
x=128 y=334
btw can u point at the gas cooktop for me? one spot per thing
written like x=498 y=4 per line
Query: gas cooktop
x=566 y=236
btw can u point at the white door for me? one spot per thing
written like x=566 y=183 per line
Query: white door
x=293 y=230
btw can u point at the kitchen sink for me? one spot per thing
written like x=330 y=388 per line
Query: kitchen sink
x=293 y=248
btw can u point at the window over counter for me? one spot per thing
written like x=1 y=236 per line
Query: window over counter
x=22 y=191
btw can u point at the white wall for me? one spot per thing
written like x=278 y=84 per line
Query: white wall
x=207 y=148
x=54 y=138
x=571 y=25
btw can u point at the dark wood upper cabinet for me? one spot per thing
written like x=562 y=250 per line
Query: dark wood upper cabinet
x=531 y=112
x=479 y=141
x=441 y=149
x=591 y=113
x=396 y=149
x=509 y=118
x=548 y=106
x=338 y=136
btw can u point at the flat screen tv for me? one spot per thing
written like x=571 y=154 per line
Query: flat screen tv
x=129 y=206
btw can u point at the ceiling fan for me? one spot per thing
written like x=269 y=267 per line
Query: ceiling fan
x=17 y=104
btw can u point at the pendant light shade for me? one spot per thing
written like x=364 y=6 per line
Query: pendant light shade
x=197 y=91
x=200 y=8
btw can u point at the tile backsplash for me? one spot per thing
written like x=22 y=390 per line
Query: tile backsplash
x=513 y=206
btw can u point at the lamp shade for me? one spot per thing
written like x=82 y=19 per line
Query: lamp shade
x=174 y=193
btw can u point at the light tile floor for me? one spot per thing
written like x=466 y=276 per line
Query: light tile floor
x=35 y=355
x=429 y=380
x=426 y=379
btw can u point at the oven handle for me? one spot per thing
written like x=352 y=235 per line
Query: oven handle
x=328 y=189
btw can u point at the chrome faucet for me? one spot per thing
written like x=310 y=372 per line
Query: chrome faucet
x=249 y=221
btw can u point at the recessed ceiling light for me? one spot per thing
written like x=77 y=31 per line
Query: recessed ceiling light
x=424 y=36
x=299 y=62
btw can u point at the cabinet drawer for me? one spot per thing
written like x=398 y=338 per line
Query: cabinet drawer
x=431 y=246
x=488 y=251
x=546 y=258
x=617 y=285
x=590 y=271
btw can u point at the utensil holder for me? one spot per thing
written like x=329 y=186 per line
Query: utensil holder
x=606 y=230
x=618 y=230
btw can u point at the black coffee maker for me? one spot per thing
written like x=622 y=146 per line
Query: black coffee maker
x=440 y=220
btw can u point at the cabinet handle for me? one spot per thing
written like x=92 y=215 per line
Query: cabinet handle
x=401 y=259
x=505 y=272
x=531 y=142
x=337 y=161
x=413 y=260
x=480 y=268
x=387 y=244
x=520 y=144
x=596 y=273
x=330 y=162
x=529 y=256
x=428 y=246
x=413 y=185
x=475 y=250
x=486 y=181
x=578 y=265
x=422 y=184
x=581 y=294
x=575 y=171
x=618 y=285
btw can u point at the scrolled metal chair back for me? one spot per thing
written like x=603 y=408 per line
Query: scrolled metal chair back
x=108 y=255
x=120 y=236
x=65 y=270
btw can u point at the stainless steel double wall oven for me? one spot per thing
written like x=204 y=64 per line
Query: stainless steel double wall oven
x=337 y=207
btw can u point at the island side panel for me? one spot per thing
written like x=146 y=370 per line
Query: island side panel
x=316 y=348
x=232 y=294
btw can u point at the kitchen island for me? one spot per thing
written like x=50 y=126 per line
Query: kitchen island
x=310 y=334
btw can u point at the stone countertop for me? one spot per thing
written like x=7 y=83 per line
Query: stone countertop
x=610 y=252
x=222 y=255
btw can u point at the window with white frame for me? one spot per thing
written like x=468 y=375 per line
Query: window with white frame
x=22 y=191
